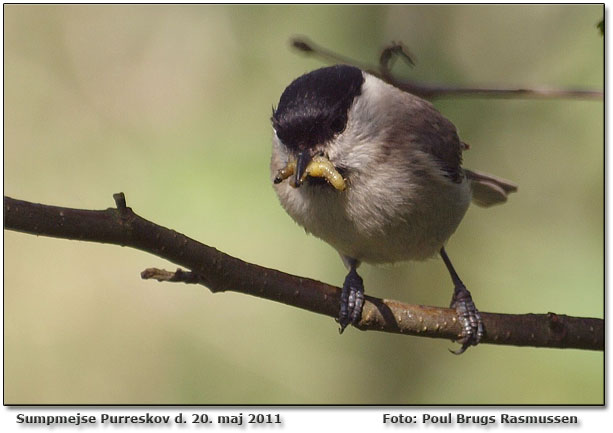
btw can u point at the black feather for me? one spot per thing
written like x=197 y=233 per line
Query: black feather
x=313 y=108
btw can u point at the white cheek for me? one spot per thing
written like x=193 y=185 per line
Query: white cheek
x=279 y=157
x=367 y=126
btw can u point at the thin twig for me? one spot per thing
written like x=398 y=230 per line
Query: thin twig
x=431 y=91
x=221 y=272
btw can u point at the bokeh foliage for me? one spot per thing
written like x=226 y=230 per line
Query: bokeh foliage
x=171 y=105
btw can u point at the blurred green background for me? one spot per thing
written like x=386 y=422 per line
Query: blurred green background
x=171 y=105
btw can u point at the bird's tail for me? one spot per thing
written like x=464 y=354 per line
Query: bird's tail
x=489 y=190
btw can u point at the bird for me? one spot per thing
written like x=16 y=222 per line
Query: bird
x=376 y=172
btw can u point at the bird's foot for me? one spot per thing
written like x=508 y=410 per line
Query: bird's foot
x=352 y=300
x=469 y=317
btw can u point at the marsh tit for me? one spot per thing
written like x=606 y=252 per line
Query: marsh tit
x=375 y=172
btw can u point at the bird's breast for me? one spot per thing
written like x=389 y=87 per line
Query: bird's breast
x=376 y=219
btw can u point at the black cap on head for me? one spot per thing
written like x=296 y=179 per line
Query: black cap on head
x=313 y=108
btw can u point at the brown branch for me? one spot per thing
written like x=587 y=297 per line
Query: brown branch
x=430 y=91
x=221 y=272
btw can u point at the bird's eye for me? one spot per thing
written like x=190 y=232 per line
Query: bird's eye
x=338 y=125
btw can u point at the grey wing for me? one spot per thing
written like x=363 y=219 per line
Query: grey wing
x=437 y=136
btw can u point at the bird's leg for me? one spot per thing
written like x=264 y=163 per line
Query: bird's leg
x=468 y=315
x=352 y=297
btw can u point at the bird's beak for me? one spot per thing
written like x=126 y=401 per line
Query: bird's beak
x=305 y=164
x=302 y=161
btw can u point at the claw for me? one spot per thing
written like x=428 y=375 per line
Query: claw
x=352 y=300
x=469 y=318
x=356 y=313
x=461 y=350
